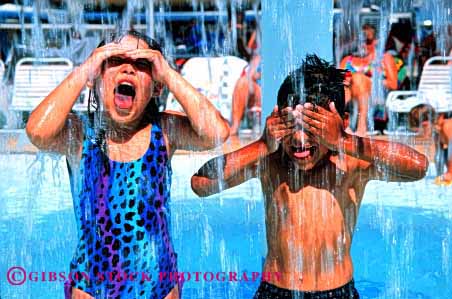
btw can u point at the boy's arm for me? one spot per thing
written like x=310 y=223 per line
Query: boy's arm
x=385 y=160
x=389 y=161
x=229 y=170
x=241 y=165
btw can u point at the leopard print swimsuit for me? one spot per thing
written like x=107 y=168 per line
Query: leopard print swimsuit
x=123 y=220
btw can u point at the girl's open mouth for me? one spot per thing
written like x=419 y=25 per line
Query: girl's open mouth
x=303 y=152
x=124 y=95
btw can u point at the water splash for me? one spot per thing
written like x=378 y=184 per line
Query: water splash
x=400 y=246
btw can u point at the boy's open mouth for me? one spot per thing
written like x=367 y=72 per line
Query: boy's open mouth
x=124 y=95
x=303 y=152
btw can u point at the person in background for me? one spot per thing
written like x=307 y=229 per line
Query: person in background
x=429 y=124
x=399 y=44
x=247 y=95
x=313 y=177
x=427 y=48
x=362 y=69
x=450 y=54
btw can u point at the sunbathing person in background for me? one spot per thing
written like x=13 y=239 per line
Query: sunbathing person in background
x=313 y=177
x=362 y=69
x=430 y=124
x=450 y=54
x=247 y=96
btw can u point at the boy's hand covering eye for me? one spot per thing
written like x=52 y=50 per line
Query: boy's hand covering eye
x=278 y=125
x=325 y=125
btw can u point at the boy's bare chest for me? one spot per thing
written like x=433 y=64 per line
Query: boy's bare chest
x=310 y=199
x=327 y=186
x=332 y=202
x=312 y=212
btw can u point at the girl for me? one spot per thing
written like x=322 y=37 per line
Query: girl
x=120 y=170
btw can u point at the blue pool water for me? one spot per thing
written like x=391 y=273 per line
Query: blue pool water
x=401 y=248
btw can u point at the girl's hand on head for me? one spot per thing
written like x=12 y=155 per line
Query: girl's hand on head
x=325 y=125
x=277 y=126
x=94 y=62
x=160 y=67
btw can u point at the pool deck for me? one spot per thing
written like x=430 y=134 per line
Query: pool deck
x=25 y=173
x=17 y=142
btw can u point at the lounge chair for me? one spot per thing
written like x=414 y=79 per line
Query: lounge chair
x=35 y=78
x=215 y=77
x=435 y=88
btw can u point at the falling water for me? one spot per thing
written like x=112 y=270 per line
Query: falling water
x=400 y=238
x=346 y=28
x=226 y=232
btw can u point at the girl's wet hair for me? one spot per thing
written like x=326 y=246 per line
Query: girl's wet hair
x=117 y=37
x=317 y=82
x=93 y=100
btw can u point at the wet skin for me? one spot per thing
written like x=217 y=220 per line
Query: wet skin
x=310 y=256
x=302 y=191
x=312 y=196
x=125 y=76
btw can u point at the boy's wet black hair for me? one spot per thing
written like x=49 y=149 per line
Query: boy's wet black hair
x=317 y=82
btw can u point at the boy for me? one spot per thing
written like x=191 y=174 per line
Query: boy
x=313 y=180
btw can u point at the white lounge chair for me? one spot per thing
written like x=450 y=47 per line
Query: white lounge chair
x=35 y=78
x=215 y=77
x=435 y=88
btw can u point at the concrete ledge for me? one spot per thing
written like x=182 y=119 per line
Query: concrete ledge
x=17 y=142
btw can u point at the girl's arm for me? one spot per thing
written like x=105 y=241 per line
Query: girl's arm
x=202 y=127
x=51 y=127
x=50 y=124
